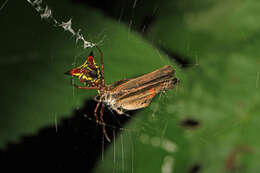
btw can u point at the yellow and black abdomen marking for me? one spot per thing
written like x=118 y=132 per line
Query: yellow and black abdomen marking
x=91 y=75
x=88 y=73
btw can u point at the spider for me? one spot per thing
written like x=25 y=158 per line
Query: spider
x=92 y=77
x=126 y=94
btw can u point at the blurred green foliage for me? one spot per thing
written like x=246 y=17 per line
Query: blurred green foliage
x=219 y=89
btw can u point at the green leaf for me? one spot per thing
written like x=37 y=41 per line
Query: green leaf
x=220 y=89
x=35 y=92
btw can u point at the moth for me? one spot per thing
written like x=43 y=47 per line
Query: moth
x=123 y=95
x=137 y=93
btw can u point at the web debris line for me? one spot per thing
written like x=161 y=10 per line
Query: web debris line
x=3 y=5
x=46 y=14
x=132 y=154
x=122 y=147
x=103 y=148
x=132 y=151
x=114 y=160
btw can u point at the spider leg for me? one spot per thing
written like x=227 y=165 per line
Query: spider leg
x=103 y=123
x=95 y=111
x=82 y=87
x=102 y=66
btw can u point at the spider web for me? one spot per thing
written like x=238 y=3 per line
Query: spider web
x=150 y=125
x=147 y=134
x=46 y=14
x=181 y=127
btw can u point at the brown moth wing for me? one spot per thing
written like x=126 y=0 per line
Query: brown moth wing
x=138 y=82
x=133 y=103
x=157 y=78
x=141 y=98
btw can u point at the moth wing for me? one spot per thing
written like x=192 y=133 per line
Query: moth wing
x=139 y=101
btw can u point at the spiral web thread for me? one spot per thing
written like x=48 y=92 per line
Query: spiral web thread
x=46 y=14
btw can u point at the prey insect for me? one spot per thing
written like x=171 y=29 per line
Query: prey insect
x=123 y=95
